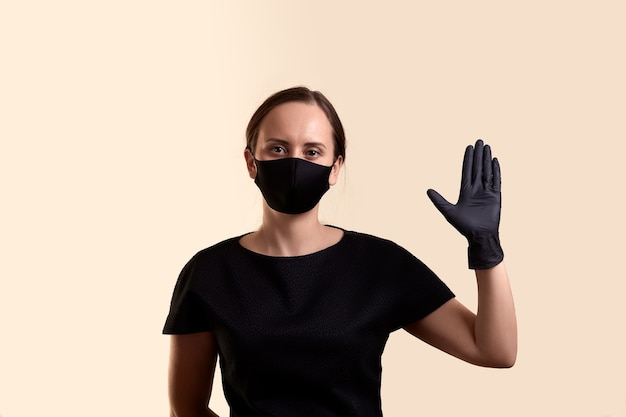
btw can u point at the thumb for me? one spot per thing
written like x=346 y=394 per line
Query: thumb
x=441 y=203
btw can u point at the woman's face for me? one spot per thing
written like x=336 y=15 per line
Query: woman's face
x=296 y=130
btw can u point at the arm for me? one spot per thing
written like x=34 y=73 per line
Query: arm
x=191 y=369
x=488 y=338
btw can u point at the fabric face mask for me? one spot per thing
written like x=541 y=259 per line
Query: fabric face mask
x=292 y=185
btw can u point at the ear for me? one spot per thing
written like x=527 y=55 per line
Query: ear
x=334 y=173
x=250 y=163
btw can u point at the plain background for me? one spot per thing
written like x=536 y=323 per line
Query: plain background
x=122 y=127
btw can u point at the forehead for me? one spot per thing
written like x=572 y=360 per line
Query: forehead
x=295 y=120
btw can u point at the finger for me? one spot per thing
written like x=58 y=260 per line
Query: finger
x=497 y=178
x=466 y=173
x=487 y=167
x=441 y=203
x=478 y=161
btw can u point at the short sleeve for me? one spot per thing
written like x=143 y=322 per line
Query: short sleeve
x=187 y=310
x=416 y=290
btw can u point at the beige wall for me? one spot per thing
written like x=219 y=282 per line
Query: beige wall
x=122 y=135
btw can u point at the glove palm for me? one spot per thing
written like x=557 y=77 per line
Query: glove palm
x=476 y=215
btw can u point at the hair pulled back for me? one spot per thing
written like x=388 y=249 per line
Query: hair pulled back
x=303 y=95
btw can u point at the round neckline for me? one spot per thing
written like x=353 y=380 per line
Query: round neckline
x=306 y=255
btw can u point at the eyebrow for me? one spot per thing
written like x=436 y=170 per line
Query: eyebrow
x=284 y=142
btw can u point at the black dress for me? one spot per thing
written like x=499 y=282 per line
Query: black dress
x=304 y=335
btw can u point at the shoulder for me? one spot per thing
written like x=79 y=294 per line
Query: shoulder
x=220 y=247
x=209 y=262
x=371 y=241
x=224 y=249
x=376 y=247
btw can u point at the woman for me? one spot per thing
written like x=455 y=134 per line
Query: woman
x=299 y=312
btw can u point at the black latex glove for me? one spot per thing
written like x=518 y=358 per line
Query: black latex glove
x=477 y=212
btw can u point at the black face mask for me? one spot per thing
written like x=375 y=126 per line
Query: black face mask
x=292 y=185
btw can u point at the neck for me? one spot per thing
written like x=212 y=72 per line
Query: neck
x=291 y=234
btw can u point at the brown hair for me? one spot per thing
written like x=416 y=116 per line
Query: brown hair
x=298 y=94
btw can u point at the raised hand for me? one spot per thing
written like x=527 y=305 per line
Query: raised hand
x=476 y=215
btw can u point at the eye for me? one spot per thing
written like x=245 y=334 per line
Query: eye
x=313 y=153
x=278 y=149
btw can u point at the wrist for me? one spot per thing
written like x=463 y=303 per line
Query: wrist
x=484 y=251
